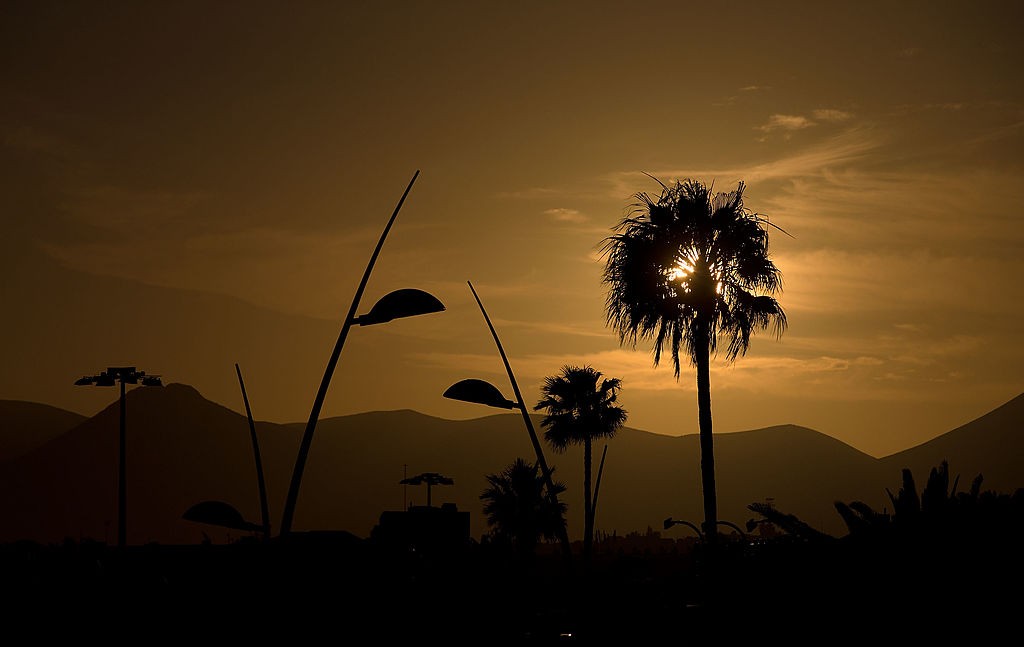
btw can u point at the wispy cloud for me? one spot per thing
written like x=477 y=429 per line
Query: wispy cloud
x=828 y=375
x=531 y=193
x=786 y=122
x=811 y=161
x=832 y=115
x=742 y=95
x=566 y=215
x=557 y=328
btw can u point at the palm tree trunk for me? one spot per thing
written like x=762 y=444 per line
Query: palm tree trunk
x=707 y=451
x=588 y=510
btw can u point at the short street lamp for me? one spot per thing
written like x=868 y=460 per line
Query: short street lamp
x=478 y=392
x=431 y=479
x=110 y=377
x=668 y=523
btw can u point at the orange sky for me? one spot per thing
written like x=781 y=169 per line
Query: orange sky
x=195 y=184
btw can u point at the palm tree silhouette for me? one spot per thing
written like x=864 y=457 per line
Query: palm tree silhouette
x=683 y=270
x=580 y=406
x=518 y=510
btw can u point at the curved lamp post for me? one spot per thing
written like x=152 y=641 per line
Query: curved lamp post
x=401 y=303
x=261 y=482
x=122 y=375
x=481 y=392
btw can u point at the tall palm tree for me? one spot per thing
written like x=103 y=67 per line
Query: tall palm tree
x=685 y=269
x=518 y=510
x=580 y=406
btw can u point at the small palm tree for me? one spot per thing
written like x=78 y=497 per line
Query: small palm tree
x=519 y=511
x=580 y=406
x=685 y=269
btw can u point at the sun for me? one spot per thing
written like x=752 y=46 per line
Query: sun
x=683 y=273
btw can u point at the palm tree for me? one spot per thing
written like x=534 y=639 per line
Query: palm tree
x=580 y=407
x=518 y=510
x=684 y=270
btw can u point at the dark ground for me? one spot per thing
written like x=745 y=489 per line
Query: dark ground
x=343 y=589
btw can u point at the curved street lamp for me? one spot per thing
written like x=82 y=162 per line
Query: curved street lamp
x=260 y=481
x=397 y=304
x=123 y=375
x=481 y=392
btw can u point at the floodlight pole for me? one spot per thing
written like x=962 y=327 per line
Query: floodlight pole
x=122 y=476
x=563 y=530
x=121 y=374
x=314 y=414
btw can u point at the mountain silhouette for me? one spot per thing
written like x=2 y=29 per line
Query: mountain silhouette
x=992 y=445
x=183 y=449
x=25 y=426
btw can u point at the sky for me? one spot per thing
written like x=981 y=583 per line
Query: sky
x=188 y=185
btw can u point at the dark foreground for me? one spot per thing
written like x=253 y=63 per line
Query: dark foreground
x=345 y=590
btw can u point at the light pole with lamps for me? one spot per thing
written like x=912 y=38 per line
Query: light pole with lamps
x=121 y=375
x=397 y=304
x=481 y=392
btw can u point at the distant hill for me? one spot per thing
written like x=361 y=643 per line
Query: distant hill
x=183 y=448
x=992 y=445
x=27 y=425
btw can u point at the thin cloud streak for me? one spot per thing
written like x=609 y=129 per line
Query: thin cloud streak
x=786 y=122
x=837 y=151
x=566 y=215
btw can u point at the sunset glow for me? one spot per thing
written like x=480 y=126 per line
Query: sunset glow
x=192 y=186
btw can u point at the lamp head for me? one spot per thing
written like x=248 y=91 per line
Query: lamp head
x=480 y=392
x=104 y=379
x=407 y=302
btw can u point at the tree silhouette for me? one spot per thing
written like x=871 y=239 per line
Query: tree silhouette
x=580 y=406
x=938 y=511
x=685 y=269
x=518 y=510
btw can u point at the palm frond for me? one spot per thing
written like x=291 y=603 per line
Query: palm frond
x=686 y=267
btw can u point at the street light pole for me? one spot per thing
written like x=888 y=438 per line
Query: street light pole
x=121 y=375
x=401 y=303
x=122 y=479
x=260 y=481
x=521 y=405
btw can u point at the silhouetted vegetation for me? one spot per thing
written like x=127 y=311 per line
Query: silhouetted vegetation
x=938 y=513
x=940 y=557
x=687 y=268
x=580 y=407
x=519 y=512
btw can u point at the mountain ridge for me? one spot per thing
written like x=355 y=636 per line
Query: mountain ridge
x=184 y=448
